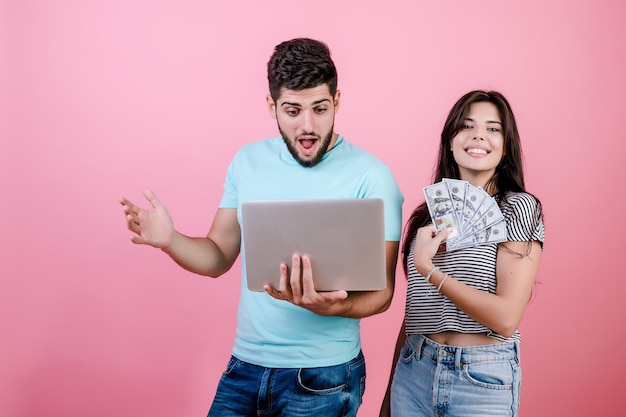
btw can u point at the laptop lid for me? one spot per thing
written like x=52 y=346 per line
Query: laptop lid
x=344 y=238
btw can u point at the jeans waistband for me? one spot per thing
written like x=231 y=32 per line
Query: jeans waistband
x=460 y=355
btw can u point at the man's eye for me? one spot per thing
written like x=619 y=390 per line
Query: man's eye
x=320 y=110
x=293 y=112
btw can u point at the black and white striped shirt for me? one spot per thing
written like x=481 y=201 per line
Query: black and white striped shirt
x=428 y=311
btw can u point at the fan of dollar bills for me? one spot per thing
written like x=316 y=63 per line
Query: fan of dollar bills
x=473 y=215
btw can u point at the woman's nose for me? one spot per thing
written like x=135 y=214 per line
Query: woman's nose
x=479 y=134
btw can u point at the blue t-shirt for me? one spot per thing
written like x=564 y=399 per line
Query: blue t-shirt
x=275 y=333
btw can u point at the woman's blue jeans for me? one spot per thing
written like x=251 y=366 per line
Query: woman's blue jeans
x=438 y=380
x=250 y=390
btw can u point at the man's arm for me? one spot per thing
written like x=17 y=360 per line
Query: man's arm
x=297 y=288
x=211 y=255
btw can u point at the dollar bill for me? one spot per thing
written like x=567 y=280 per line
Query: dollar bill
x=441 y=208
x=494 y=233
x=473 y=215
x=457 y=189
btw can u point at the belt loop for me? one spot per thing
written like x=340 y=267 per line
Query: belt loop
x=517 y=351
x=457 y=358
x=418 y=346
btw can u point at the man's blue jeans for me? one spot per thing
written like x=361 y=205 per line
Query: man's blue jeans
x=250 y=390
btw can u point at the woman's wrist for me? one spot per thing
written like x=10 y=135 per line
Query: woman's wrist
x=430 y=273
x=425 y=267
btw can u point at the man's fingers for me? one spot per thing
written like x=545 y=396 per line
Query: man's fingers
x=283 y=286
x=137 y=240
x=273 y=292
x=152 y=198
x=307 y=276
x=335 y=296
x=129 y=208
x=294 y=281
x=133 y=223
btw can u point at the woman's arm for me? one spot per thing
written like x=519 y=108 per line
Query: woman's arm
x=516 y=270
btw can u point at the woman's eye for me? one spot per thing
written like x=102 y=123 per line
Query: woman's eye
x=494 y=129
x=467 y=127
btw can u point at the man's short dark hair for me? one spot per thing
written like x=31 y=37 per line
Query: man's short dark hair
x=299 y=64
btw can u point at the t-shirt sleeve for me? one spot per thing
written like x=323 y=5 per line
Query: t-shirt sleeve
x=524 y=219
x=229 y=198
x=380 y=183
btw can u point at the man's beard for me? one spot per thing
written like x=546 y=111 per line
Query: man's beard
x=322 y=148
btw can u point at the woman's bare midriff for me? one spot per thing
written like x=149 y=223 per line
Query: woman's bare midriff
x=462 y=339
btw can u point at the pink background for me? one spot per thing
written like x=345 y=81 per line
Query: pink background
x=100 y=99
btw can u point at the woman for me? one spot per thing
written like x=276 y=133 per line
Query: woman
x=457 y=352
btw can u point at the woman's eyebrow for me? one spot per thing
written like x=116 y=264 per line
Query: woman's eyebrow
x=469 y=119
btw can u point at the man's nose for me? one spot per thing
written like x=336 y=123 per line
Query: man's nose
x=307 y=121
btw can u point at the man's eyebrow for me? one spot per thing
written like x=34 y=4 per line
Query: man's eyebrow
x=315 y=103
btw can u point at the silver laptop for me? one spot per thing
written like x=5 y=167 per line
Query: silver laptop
x=344 y=238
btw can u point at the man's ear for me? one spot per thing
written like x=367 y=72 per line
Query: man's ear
x=271 y=106
x=337 y=100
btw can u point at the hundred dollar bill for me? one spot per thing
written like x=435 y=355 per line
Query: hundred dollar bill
x=457 y=189
x=441 y=209
x=494 y=233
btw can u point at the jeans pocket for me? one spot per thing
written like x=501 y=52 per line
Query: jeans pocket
x=324 y=380
x=497 y=375
x=232 y=365
x=407 y=353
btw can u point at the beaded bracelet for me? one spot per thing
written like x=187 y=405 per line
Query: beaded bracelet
x=430 y=273
x=441 y=282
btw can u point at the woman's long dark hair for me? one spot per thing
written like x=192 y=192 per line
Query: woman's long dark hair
x=509 y=175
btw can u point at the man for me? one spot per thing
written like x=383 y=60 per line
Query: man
x=297 y=351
